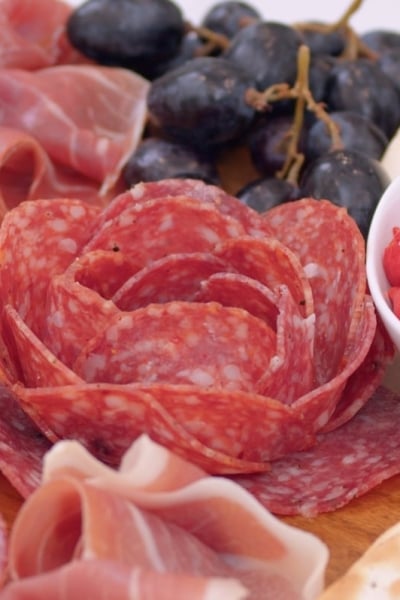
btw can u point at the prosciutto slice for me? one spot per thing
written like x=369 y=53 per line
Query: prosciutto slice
x=158 y=527
x=87 y=119
x=33 y=34
x=28 y=173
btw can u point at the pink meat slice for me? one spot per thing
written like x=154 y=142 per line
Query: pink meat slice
x=317 y=407
x=363 y=381
x=33 y=34
x=271 y=263
x=294 y=354
x=235 y=289
x=22 y=445
x=164 y=226
x=27 y=173
x=344 y=464
x=335 y=267
x=202 y=192
x=208 y=345
x=3 y=550
x=94 y=578
x=136 y=515
x=37 y=365
x=75 y=314
x=190 y=420
x=173 y=277
x=86 y=117
x=103 y=272
x=295 y=334
x=39 y=240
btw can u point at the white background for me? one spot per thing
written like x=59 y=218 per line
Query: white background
x=373 y=14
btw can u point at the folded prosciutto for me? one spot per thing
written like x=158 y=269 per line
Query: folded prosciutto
x=238 y=341
x=33 y=34
x=67 y=131
x=157 y=528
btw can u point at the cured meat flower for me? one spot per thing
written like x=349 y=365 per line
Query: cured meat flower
x=157 y=528
x=230 y=338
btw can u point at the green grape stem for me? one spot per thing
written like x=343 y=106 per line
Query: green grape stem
x=301 y=93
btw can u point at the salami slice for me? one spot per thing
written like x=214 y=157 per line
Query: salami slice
x=173 y=277
x=335 y=266
x=38 y=240
x=3 y=550
x=75 y=314
x=106 y=419
x=344 y=464
x=190 y=420
x=22 y=445
x=270 y=263
x=208 y=345
x=318 y=406
x=197 y=190
x=38 y=366
x=163 y=226
x=103 y=272
x=294 y=354
x=235 y=289
x=295 y=335
x=364 y=380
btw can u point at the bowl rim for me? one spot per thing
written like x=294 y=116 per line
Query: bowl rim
x=379 y=235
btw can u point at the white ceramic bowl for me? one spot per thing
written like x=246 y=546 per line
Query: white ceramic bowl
x=386 y=216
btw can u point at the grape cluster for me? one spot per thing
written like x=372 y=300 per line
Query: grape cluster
x=312 y=106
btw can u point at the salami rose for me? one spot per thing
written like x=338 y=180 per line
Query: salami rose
x=232 y=338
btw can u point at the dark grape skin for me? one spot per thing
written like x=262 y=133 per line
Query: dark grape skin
x=381 y=40
x=157 y=159
x=361 y=86
x=265 y=193
x=227 y=18
x=202 y=103
x=190 y=46
x=349 y=179
x=267 y=51
x=268 y=140
x=320 y=69
x=135 y=34
x=356 y=131
x=389 y=62
x=330 y=43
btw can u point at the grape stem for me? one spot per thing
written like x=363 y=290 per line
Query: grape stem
x=354 y=46
x=211 y=40
x=301 y=93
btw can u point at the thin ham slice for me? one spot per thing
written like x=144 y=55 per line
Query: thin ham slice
x=87 y=118
x=33 y=34
x=159 y=527
x=107 y=579
x=28 y=173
